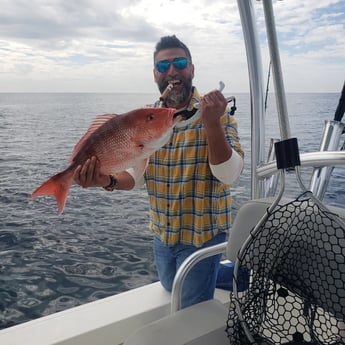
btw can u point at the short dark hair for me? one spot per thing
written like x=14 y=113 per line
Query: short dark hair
x=167 y=42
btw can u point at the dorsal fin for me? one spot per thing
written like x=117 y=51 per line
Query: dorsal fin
x=99 y=121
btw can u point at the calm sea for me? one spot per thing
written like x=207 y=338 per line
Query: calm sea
x=100 y=245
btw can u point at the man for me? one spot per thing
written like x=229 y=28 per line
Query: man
x=187 y=179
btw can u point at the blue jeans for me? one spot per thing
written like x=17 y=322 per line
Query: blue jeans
x=200 y=283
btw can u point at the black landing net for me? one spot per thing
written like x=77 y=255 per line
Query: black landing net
x=296 y=259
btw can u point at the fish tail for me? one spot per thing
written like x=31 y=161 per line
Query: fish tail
x=58 y=185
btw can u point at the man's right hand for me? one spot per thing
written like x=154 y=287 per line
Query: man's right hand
x=89 y=174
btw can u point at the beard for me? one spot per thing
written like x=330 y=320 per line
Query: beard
x=176 y=97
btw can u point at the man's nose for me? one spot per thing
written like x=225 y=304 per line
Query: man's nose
x=171 y=69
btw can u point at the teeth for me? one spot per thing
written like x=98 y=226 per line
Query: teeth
x=174 y=82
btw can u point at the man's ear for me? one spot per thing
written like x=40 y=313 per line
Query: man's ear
x=155 y=75
x=192 y=70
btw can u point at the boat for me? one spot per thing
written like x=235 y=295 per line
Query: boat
x=150 y=315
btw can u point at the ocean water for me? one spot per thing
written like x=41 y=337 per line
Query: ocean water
x=101 y=244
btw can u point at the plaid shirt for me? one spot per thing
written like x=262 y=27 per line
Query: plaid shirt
x=188 y=204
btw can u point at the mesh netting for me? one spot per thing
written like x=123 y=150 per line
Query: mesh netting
x=296 y=293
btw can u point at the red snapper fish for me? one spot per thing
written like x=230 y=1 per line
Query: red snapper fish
x=119 y=142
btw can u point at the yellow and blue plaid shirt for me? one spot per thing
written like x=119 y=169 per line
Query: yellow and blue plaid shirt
x=188 y=205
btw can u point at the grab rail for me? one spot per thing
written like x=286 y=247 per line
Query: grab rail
x=310 y=159
x=186 y=266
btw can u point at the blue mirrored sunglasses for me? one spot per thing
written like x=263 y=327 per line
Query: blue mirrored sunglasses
x=163 y=66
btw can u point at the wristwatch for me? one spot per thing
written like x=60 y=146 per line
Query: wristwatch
x=112 y=185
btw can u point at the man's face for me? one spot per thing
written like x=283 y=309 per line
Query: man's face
x=180 y=77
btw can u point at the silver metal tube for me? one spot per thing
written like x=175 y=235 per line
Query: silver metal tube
x=185 y=268
x=311 y=159
x=331 y=135
x=271 y=183
x=276 y=70
x=329 y=142
x=254 y=63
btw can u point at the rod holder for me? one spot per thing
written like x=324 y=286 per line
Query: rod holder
x=287 y=154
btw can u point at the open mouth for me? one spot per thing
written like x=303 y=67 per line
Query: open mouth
x=175 y=82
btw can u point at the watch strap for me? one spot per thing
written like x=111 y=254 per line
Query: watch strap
x=112 y=185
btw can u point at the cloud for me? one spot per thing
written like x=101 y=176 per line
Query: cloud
x=107 y=46
x=58 y=20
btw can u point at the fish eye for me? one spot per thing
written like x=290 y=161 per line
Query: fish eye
x=150 y=117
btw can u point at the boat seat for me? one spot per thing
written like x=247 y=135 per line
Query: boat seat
x=205 y=323
x=246 y=218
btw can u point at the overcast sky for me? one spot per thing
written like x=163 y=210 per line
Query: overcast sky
x=107 y=45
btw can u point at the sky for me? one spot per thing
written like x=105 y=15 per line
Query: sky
x=107 y=45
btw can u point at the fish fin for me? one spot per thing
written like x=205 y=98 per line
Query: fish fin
x=58 y=185
x=138 y=170
x=96 y=123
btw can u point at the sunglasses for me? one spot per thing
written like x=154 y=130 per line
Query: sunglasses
x=163 y=66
